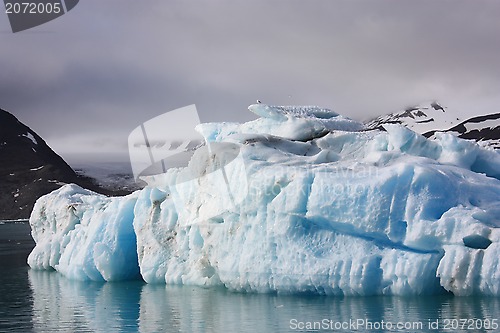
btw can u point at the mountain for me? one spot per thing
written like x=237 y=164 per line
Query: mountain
x=430 y=118
x=29 y=168
x=483 y=129
x=421 y=118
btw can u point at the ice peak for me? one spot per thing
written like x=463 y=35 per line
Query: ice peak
x=298 y=123
x=292 y=111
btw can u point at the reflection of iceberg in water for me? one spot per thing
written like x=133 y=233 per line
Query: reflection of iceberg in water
x=66 y=305
x=60 y=304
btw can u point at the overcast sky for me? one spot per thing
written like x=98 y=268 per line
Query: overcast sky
x=85 y=80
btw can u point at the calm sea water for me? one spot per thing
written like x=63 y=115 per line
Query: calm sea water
x=34 y=301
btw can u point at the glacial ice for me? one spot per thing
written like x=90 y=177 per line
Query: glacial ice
x=300 y=200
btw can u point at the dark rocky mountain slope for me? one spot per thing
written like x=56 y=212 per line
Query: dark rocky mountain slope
x=29 y=168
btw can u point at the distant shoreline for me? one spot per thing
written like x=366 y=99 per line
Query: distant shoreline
x=14 y=221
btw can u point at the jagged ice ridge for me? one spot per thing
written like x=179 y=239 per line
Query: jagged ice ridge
x=300 y=200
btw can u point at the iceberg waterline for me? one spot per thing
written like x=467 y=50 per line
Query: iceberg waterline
x=299 y=200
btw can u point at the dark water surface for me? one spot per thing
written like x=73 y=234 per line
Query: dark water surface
x=35 y=301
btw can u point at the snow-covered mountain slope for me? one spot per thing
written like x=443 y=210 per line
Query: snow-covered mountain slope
x=114 y=176
x=483 y=129
x=421 y=118
x=278 y=204
x=428 y=119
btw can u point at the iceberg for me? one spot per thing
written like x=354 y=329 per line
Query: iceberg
x=300 y=200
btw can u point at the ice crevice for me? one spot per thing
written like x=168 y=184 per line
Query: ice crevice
x=380 y=240
x=300 y=200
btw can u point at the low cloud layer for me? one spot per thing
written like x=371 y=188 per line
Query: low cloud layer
x=85 y=80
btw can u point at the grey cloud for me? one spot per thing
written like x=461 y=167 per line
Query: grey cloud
x=107 y=66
